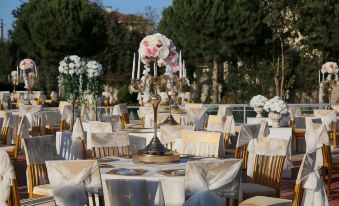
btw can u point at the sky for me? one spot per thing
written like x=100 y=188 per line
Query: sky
x=125 y=6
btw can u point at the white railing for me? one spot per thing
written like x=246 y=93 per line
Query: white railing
x=241 y=111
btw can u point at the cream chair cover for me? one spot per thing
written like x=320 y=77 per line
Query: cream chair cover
x=51 y=117
x=268 y=146
x=6 y=101
x=294 y=111
x=193 y=105
x=34 y=116
x=224 y=109
x=24 y=127
x=315 y=136
x=327 y=117
x=7 y=174
x=99 y=127
x=113 y=139
x=197 y=117
x=66 y=111
x=169 y=133
x=133 y=192
x=78 y=137
x=200 y=143
x=309 y=178
x=229 y=127
x=7 y=121
x=147 y=114
x=250 y=131
x=40 y=149
x=71 y=179
x=216 y=123
x=88 y=113
x=113 y=119
x=223 y=177
x=120 y=109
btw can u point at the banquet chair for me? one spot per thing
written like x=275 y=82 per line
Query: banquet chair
x=144 y=112
x=113 y=119
x=330 y=165
x=197 y=117
x=4 y=115
x=247 y=134
x=222 y=177
x=110 y=144
x=224 y=109
x=297 y=123
x=34 y=115
x=170 y=133
x=52 y=121
x=328 y=117
x=308 y=183
x=217 y=123
x=201 y=143
x=37 y=151
x=133 y=192
x=66 y=116
x=68 y=175
x=122 y=111
x=266 y=177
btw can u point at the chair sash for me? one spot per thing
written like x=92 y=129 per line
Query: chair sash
x=196 y=117
x=327 y=117
x=7 y=174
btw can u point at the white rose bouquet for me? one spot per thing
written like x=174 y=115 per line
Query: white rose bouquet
x=160 y=49
x=258 y=101
x=276 y=105
x=72 y=78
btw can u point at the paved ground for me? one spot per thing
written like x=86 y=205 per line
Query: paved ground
x=287 y=187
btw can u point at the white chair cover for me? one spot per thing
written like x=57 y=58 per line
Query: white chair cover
x=34 y=115
x=24 y=127
x=6 y=101
x=196 y=117
x=113 y=139
x=133 y=192
x=309 y=178
x=78 y=137
x=294 y=111
x=200 y=143
x=52 y=117
x=71 y=179
x=315 y=136
x=327 y=117
x=113 y=119
x=147 y=114
x=7 y=174
x=99 y=127
x=221 y=176
x=120 y=109
x=66 y=111
x=88 y=113
x=169 y=133
x=216 y=123
x=205 y=198
x=224 y=109
x=251 y=131
x=7 y=121
x=40 y=149
x=229 y=127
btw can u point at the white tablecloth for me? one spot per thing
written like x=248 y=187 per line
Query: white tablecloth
x=173 y=188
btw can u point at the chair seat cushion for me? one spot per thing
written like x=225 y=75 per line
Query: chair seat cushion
x=335 y=158
x=252 y=189
x=43 y=190
x=43 y=201
x=265 y=201
x=7 y=148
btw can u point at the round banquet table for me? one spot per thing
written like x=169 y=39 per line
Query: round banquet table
x=172 y=187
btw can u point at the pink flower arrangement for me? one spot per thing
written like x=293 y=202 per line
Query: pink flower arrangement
x=330 y=68
x=159 y=48
x=27 y=64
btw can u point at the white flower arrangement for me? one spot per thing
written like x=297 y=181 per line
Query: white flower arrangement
x=330 y=68
x=94 y=69
x=258 y=101
x=276 y=105
x=72 y=65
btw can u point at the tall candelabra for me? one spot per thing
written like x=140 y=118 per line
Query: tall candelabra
x=14 y=79
x=28 y=74
x=154 y=152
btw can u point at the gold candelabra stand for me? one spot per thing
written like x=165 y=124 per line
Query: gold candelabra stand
x=330 y=83
x=154 y=152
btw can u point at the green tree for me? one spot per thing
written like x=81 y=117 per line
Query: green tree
x=48 y=30
x=317 y=21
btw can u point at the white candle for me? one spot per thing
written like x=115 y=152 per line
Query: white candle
x=323 y=76
x=183 y=68
x=133 y=67
x=319 y=76
x=155 y=69
x=138 y=73
x=180 y=65
x=17 y=72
